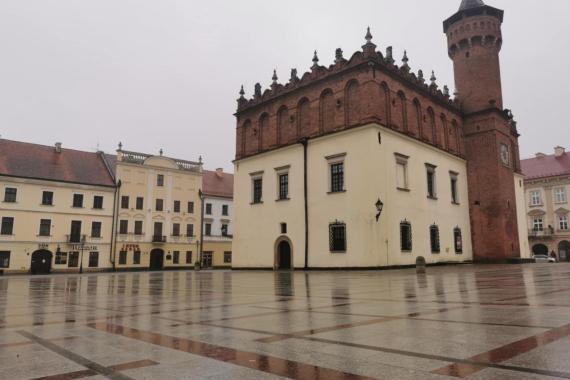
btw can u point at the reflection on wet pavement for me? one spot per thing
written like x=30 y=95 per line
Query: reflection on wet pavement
x=474 y=322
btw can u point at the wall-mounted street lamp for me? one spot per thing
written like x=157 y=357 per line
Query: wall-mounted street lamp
x=379 y=207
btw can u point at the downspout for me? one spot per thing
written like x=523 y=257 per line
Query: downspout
x=305 y=143
x=113 y=232
x=201 y=195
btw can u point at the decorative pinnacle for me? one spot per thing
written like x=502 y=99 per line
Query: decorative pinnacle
x=274 y=77
x=294 y=76
x=120 y=145
x=405 y=60
x=241 y=93
x=315 y=59
x=338 y=55
x=433 y=78
x=368 y=36
x=389 y=55
x=445 y=90
x=421 y=76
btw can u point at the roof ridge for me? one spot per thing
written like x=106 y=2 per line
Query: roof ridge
x=47 y=146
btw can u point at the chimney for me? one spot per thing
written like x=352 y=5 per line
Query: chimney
x=58 y=147
x=220 y=172
x=559 y=151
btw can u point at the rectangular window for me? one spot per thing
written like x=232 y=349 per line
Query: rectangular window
x=224 y=230
x=453 y=181
x=98 y=202
x=283 y=186
x=93 y=259
x=7 y=227
x=257 y=190
x=140 y=203
x=73 y=261
x=160 y=180
x=47 y=198
x=60 y=258
x=10 y=195
x=337 y=237
x=123 y=227
x=208 y=209
x=176 y=229
x=283 y=228
x=159 y=205
x=123 y=258
x=137 y=257
x=225 y=210
x=535 y=199
x=176 y=206
x=188 y=257
x=402 y=172
x=208 y=228
x=337 y=177
x=434 y=239
x=4 y=259
x=158 y=231
x=458 y=240
x=138 y=227
x=538 y=224
x=96 y=229
x=560 y=195
x=405 y=237
x=190 y=207
x=431 y=184
x=227 y=257
x=176 y=257
x=125 y=202
x=78 y=200
x=190 y=230
x=563 y=222
x=75 y=233
x=45 y=227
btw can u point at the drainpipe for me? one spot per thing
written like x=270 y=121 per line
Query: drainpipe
x=305 y=143
x=113 y=232
x=201 y=195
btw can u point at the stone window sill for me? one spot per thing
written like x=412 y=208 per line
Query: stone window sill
x=46 y=205
x=456 y=203
x=338 y=252
x=433 y=198
x=282 y=199
x=337 y=192
x=405 y=189
x=256 y=203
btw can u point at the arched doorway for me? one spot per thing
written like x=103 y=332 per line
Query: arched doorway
x=284 y=255
x=156 y=259
x=540 y=249
x=564 y=251
x=41 y=262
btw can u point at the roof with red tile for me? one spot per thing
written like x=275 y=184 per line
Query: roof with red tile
x=546 y=166
x=26 y=160
x=217 y=185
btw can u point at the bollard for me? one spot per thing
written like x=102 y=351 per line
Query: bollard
x=420 y=265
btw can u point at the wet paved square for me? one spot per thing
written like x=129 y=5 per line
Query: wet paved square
x=469 y=322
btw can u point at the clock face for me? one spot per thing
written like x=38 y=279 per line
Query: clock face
x=505 y=156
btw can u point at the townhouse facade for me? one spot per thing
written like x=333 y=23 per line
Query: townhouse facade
x=217 y=220
x=56 y=210
x=547 y=188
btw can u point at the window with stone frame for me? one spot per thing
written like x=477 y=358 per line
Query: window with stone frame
x=10 y=194
x=4 y=259
x=405 y=236
x=227 y=257
x=159 y=205
x=224 y=229
x=136 y=257
x=96 y=229
x=535 y=198
x=225 y=210
x=175 y=229
x=123 y=227
x=188 y=257
x=189 y=230
x=453 y=178
x=45 y=227
x=434 y=239
x=283 y=186
x=160 y=180
x=337 y=237
x=47 y=198
x=257 y=190
x=208 y=229
x=139 y=203
x=93 y=259
x=176 y=257
x=190 y=207
x=208 y=209
x=7 y=225
x=176 y=206
x=73 y=261
x=336 y=177
x=98 y=202
x=123 y=258
x=560 y=195
x=563 y=222
x=458 y=240
x=402 y=172
x=138 y=227
x=431 y=181
x=538 y=224
x=78 y=200
x=60 y=257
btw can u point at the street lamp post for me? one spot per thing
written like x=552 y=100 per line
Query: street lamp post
x=83 y=238
x=379 y=207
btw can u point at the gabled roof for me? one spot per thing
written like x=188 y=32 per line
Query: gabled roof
x=546 y=166
x=218 y=184
x=468 y=4
x=26 y=160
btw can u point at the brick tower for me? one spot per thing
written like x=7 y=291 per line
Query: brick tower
x=490 y=135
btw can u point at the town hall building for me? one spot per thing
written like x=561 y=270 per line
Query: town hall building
x=366 y=164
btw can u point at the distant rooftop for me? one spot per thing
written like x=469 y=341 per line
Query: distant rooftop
x=218 y=183
x=544 y=166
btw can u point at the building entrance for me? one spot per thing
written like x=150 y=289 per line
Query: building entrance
x=41 y=262
x=156 y=259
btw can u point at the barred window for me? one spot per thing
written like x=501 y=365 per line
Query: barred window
x=283 y=186
x=458 y=240
x=337 y=237
x=434 y=239
x=337 y=177
x=405 y=236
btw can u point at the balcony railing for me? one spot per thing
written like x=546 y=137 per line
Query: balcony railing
x=538 y=233
x=159 y=239
x=75 y=238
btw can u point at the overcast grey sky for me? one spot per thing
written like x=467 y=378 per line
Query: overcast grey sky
x=166 y=73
